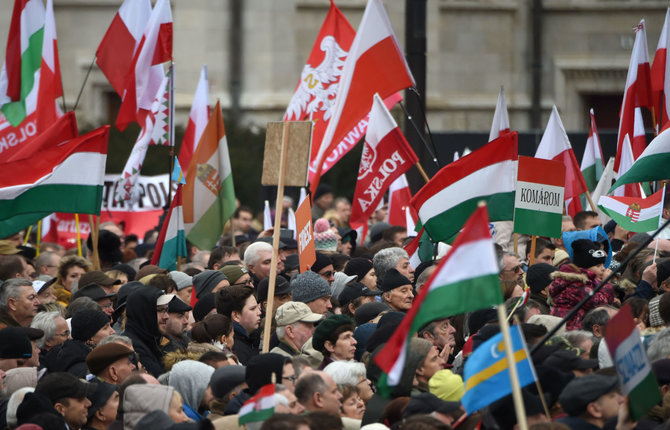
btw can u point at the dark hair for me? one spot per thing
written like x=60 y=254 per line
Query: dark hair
x=242 y=208
x=579 y=220
x=423 y=422
x=215 y=257
x=339 y=261
x=211 y=328
x=10 y=265
x=232 y=299
x=192 y=271
x=334 y=335
x=284 y=422
x=324 y=421
x=163 y=282
x=541 y=244
x=213 y=357
x=390 y=232
x=597 y=316
x=307 y=385
x=640 y=309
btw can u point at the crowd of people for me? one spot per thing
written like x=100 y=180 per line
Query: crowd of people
x=131 y=345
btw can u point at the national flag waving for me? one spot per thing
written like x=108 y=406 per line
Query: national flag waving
x=260 y=407
x=65 y=178
x=555 y=145
x=197 y=120
x=171 y=242
x=399 y=198
x=386 y=155
x=652 y=165
x=375 y=64
x=50 y=86
x=489 y=174
x=146 y=71
x=486 y=372
x=209 y=194
x=115 y=53
x=636 y=94
x=420 y=249
x=592 y=162
x=660 y=75
x=627 y=161
x=466 y=279
x=500 y=123
x=634 y=213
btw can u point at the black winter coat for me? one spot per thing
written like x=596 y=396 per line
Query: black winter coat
x=142 y=328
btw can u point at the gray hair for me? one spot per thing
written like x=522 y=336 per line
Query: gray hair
x=387 y=259
x=252 y=253
x=11 y=289
x=79 y=304
x=345 y=372
x=575 y=337
x=307 y=385
x=116 y=338
x=659 y=347
x=45 y=321
x=281 y=330
x=45 y=259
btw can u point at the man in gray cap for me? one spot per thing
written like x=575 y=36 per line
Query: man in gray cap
x=590 y=401
x=295 y=325
x=311 y=289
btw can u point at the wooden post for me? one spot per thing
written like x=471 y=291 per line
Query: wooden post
x=422 y=172
x=515 y=237
x=531 y=259
x=94 y=241
x=588 y=197
x=513 y=374
x=76 y=226
x=269 y=311
x=38 y=241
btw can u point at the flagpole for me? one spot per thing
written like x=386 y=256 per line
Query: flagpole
x=27 y=237
x=76 y=226
x=513 y=374
x=38 y=240
x=659 y=222
x=418 y=132
x=422 y=172
x=81 y=90
x=531 y=260
x=171 y=126
x=588 y=197
x=422 y=105
x=94 y=226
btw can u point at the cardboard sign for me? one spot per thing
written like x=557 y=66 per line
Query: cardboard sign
x=538 y=203
x=297 y=159
x=306 y=250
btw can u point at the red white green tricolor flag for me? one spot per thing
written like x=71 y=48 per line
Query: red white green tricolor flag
x=631 y=363
x=260 y=407
x=651 y=165
x=465 y=280
x=171 y=243
x=634 y=213
x=538 y=205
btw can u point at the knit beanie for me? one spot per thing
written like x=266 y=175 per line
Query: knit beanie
x=86 y=323
x=327 y=327
x=322 y=260
x=358 y=266
x=309 y=286
x=537 y=277
x=233 y=272
x=446 y=385
x=181 y=279
x=324 y=238
x=587 y=254
x=205 y=281
x=393 y=279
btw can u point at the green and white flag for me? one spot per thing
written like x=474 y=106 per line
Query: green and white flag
x=652 y=165
x=634 y=213
x=260 y=407
x=592 y=162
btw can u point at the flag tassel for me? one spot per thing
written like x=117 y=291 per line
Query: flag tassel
x=511 y=364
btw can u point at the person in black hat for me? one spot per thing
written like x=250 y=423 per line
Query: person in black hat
x=98 y=294
x=14 y=345
x=175 y=337
x=430 y=404
x=258 y=373
x=323 y=266
x=354 y=295
x=362 y=267
x=538 y=278
x=590 y=401
x=397 y=290
x=97 y=277
x=334 y=338
x=111 y=362
x=282 y=293
x=68 y=395
x=226 y=383
x=569 y=361
x=104 y=405
x=503 y=410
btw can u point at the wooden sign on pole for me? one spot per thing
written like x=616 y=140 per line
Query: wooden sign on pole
x=289 y=144
x=306 y=249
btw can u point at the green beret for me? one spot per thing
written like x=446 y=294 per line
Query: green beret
x=327 y=327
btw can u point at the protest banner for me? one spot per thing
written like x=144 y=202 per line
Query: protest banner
x=306 y=250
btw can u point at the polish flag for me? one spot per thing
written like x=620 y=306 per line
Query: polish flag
x=386 y=155
x=197 y=120
x=146 y=71
x=399 y=197
x=50 y=87
x=627 y=160
x=500 y=123
x=555 y=145
x=115 y=53
x=660 y=75
x=636 y=94
x=375 y=64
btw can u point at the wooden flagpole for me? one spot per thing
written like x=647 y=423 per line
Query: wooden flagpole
x=422 y=172
x=531 y=259
x=588 y=197
x=95 y=225
x=76 y=226
x=513 y=374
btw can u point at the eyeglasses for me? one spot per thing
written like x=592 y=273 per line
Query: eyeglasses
x=514 y=269
x=290 y=378
x=66 y=333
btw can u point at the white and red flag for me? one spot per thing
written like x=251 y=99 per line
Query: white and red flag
x=636 y=94
x=115 y=52
x=399 y=197
x=500 y=122
x=555 y=145
x=660 y=75
x=386 y=155
x=146 y=71
x=51 y=86
x=197 y=120
x=375 y=64
x=627 y=160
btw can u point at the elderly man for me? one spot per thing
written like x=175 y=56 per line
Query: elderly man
x=397 y=291
x=47 y=264
x=295 y=325
x=317 y=392
x=111 y=362
x=510 y=269
x=310 y=288
x=258 y=258
x=68 y=395
x=55 y=328
x=18 y=303
x=392 y=258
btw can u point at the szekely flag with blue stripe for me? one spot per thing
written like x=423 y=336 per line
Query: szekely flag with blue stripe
x=486 y=372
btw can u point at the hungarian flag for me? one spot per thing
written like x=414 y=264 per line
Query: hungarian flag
x=627 y=161
x=500 y=123
x=652 y=165
x=145 y=74
x=489 y=174
x=638 y=382
x=50 y=85
x=61 y=130
x=465 y=280
x=209 y=194
x=399 y=198
x=634 y=213
x=592 y=162
x=197 y=120
x=375 y=64
x=660 y=75
x=260 y=407
x=420 y=249
x=64 y=178
x=155 y=129
x=555 y=145
x=386 y=155
x=115 y=52
x=636 y=94
x=171 y=242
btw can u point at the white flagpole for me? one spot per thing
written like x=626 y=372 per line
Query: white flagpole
x=171 y=136
x=660 y=222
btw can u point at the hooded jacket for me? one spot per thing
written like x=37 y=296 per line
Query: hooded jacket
x=140 y=399
x=191 y=379
x=142 y=328
x=69 y=357
x=569 y=286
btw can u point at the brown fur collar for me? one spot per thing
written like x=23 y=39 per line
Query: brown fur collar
x=575 y=275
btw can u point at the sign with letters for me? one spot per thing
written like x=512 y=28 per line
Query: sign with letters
x=306 y=250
